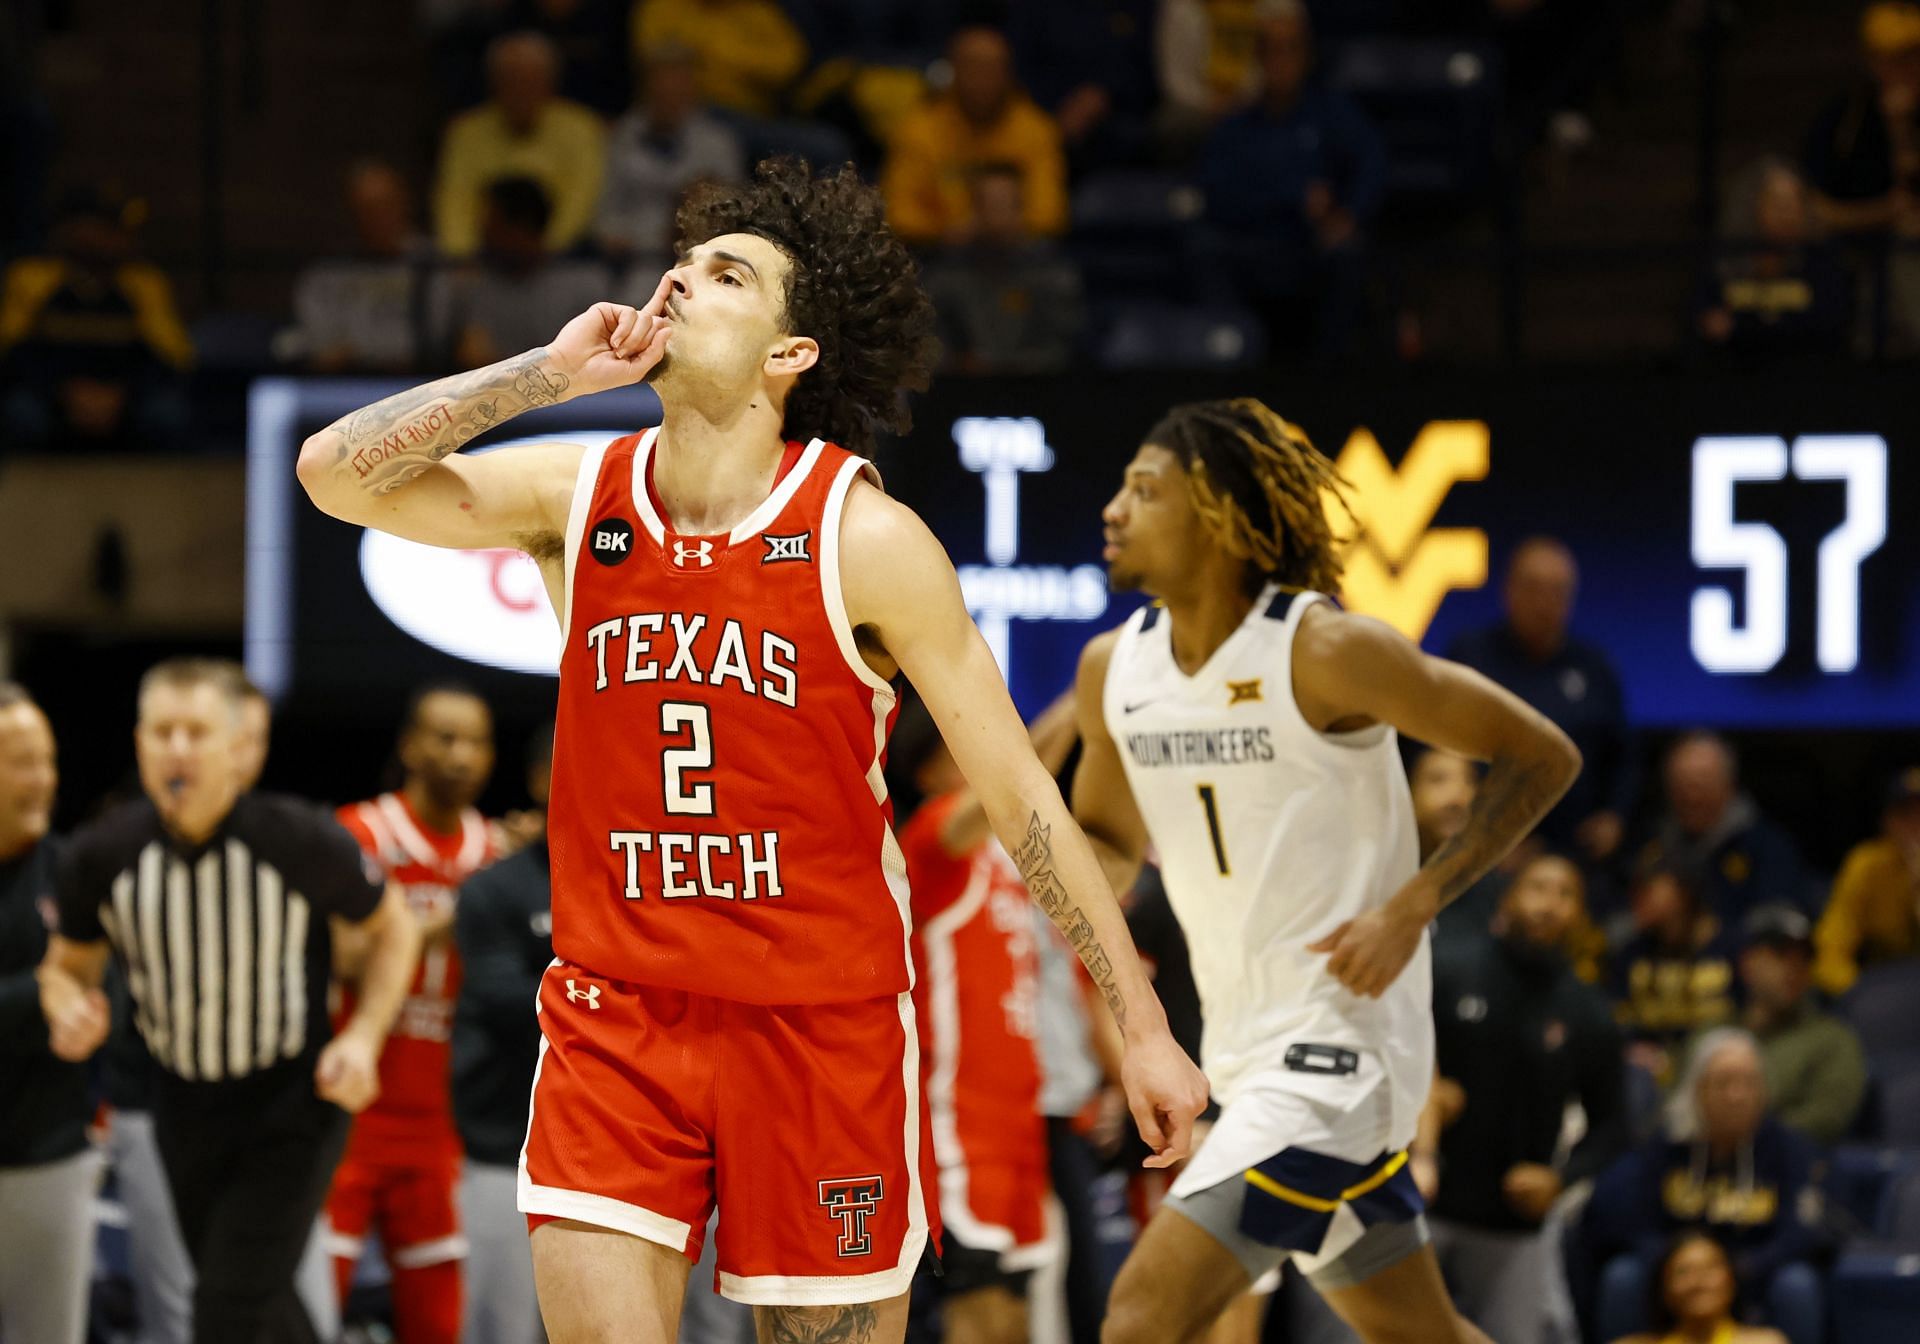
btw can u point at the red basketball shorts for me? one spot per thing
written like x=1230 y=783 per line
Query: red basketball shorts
x=412 y=1204
x=803 y=1124
x=1000 y=1206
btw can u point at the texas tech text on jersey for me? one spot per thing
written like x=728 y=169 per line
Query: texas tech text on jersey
x=712 y=662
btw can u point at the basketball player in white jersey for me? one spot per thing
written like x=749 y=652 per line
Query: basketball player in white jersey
x=1244 y=726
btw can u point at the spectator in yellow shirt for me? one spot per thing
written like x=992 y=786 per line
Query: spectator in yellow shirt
x=984 y=118
x=523 y=130
x=92 y=348
x=1874 y=911
x=749 y=49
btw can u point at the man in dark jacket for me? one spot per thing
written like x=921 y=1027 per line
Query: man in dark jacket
x=1518 y=1038
x=1533 y=654
x=1714 y=828
x=47 y=1168
x=1728 y=1166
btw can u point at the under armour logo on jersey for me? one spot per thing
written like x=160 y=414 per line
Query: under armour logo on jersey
x=785 y=548
x=612 y=541
x=853 y=1201
x=591 y=994
x=1238 y=691
x=698 y=555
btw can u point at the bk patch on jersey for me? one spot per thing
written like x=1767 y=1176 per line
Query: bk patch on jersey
x=612 y=541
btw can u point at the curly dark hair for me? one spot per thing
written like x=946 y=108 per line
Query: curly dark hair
x=852 y=286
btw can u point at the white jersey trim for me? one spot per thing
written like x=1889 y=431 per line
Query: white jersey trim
x=637 y=487
x=1357 y=739
x=763 y=513
x=770 y=508
x=830 y=588
x=585 y=482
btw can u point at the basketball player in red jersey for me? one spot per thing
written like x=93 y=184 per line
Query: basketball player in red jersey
x=401 y=1171
x=977 y=997
x=729 y=1017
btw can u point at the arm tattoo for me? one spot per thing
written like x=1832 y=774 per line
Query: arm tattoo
x=822 y=1325
x=1035 y=860
x=391 y=442
x=1510 y=802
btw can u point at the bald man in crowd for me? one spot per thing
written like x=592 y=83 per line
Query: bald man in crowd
x=1713 y=827
x=524 y=129
x=1533 y=653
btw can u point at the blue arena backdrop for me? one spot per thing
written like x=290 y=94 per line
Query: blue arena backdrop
x=1746 y=554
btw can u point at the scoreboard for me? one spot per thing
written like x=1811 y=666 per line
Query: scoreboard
x=1745 y=552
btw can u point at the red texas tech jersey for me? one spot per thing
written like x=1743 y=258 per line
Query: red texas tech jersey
x=719 y=821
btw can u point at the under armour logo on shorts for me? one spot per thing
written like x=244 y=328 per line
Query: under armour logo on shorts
x=785 y=548
x=853 y=1200
x=591 y=994
x=699 y=555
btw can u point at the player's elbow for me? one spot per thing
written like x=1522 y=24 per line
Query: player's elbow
x=1559 y=756
x=318 y=471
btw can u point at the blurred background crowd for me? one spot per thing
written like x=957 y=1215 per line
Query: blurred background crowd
x=1119 y=183
x=1680 y=1010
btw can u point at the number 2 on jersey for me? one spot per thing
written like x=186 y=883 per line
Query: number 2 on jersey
x=1213 y=829
x=677 y=718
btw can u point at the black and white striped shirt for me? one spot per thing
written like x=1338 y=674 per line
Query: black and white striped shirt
x=225 y=945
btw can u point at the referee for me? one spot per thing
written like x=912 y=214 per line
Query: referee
x=225 y=911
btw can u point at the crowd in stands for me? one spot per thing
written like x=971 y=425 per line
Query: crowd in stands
x=1706 y=1034
x=1194 y=182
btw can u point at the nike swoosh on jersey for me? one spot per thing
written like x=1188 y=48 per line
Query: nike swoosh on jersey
x=1128 y=709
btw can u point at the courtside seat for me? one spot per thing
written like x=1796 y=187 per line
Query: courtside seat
x=1876 y=1293
x=1136 y=204
x=1435 y=103
x=1142 y=334
x=1884 y=1008
x=1860 y=1177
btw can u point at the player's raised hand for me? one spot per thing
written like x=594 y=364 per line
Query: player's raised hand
x=612 y=344
x=1166 y=1094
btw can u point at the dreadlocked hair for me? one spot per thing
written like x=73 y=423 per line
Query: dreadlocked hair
x=851 y=286
x=1260 y=488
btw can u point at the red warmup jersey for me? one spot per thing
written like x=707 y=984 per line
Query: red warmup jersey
x=415 y=1066
x=719 y=822
x=977 y=1000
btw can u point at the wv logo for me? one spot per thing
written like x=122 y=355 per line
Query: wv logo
x=697 y=556
x=1400 y=567
x=590 y=995
x=853 y=1200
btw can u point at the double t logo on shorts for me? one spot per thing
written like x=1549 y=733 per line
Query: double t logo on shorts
x=853 y=1200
